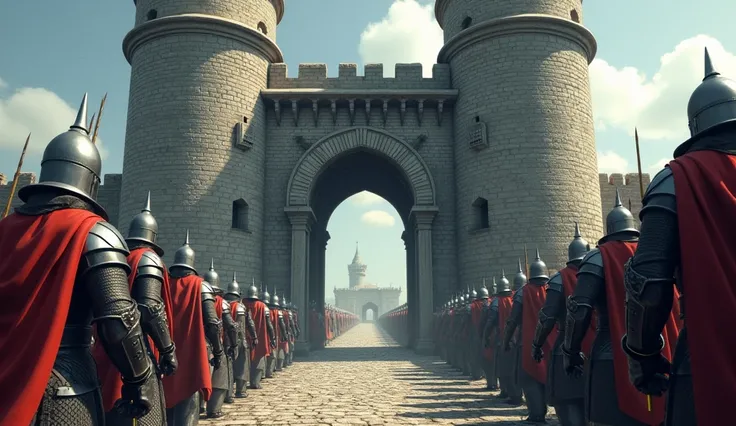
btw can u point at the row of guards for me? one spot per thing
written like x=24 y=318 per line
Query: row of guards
x=396 y=323
x=329 y=324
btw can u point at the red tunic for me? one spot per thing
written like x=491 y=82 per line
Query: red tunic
x=569 y=282
x=505 y=303
x=630 y=401
x=191 y=348
x=705 y=183
x=40 y=257
x=258 y=312
x=109 y=375
x=534 y=298
x=476 y=316
x=286 y=322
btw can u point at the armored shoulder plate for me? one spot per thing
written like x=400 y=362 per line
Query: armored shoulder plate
x=240 y=309
x=468 y=309
x=105 y=247
x=663 y=183
x=494 y=304
x=519 y=295
x=281 y=313
x=151 y=266
x=266 y=310
x=555 y=283
x=592 y=263
x=207 y=292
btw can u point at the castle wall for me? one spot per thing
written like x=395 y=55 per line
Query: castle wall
x=354 y=300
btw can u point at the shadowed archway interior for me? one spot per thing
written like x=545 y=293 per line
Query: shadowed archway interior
x=369 y=307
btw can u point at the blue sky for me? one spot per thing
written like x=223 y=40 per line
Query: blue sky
x=649 y=59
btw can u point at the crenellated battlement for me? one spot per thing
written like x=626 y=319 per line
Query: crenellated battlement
x=406 y=77
x=618 y=179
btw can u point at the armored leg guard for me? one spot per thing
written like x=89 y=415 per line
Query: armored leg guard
x=185 y=413
x=535 y=397
x=230 y=382
x=256 y=372
x=201 y=401
x=214 y=405
x=240 y=391
x=571 y=413
x=270 y=365
x=279 y=365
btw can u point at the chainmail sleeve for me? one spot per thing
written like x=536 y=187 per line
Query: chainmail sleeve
x=283 y=333
x=271 y=332
x=513 y=322
x=547 y=317
x=231 y=328
x=212 y=326
x=491 y=321
x=580 y=304
x=250 y=325
x=147 y=293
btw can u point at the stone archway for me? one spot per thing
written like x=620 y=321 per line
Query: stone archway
x=416 y=173
x=370 y=306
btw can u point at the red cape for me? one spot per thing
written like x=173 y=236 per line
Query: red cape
x=284 y=346
x=109 y=375
x=630 y=401
x=505 y=303
x=705 y=183
x=569 y=276
x=476 y=316
x=534 y=298
x=40 y=256
x=191 y=348
x=258 y=312
x=286 y=323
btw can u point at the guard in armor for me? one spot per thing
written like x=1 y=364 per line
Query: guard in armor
x=271 y=359
x=241 y=365
x=64 y=268
x=149 y=286
x=222 y=378
x=565 y=393
x=687 y=225
x=506 y=360
x=290 y=331
x=195 y=323
x=316 y=327
x=601 y=288
x=260 y=348
x=528 y=301
x=282 y=346
x=477 y=306
x=488 y=342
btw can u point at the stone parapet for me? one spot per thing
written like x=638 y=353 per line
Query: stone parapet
x=314 y=76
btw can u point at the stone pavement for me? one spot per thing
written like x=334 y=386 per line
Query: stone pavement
x=365 y=378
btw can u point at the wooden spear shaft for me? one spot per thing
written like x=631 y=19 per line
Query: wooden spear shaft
x=526 y=261
x=15 y=178
x=99 y=116
x=638 y=163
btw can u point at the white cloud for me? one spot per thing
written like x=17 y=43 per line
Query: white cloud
x=657 y=166
x=626 y=98
x=40 y=112
x=378 y=218
x=408 y=33
x=365 y=198
x=3 y=84
x=610 y=162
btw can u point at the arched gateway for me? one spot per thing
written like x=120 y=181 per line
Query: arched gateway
x=315 y=189
x=370 y=306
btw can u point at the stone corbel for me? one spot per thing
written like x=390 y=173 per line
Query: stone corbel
x=385 y=112
x=333 y=110
x=402 y=111
x=295 y=111
x=277 y=112
x=300 y=217
x=368 y=112
x=440 y=109
x=424 y=216
x=351 y=107
x=315 y=111
x=420 y=111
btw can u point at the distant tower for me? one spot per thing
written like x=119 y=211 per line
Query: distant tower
x=525 y=157
x=196 y=128
x=356 y=270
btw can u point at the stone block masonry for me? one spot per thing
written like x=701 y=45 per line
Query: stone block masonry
x=314 y=76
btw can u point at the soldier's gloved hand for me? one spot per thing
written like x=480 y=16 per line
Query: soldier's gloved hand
x=537 y=353
x=573 y=363
x=273 y=344
x=216 y=361
x=167 y=362
x=231 y=352
x=648 y=373
x=255 y=342
x=136 y=398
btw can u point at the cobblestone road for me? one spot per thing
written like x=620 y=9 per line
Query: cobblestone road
x=365 y=378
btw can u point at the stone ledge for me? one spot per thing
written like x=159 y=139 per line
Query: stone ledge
x=193 y=23
x=519 y=24
x=357 y=94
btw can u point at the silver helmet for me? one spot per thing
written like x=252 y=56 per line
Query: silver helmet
x=71 y=162
x=252 y=291
x=505 y=284
x=212 y=277
x=284 y=303
x=275 y=299
x=538 y=269
x=578 y=246
x=473 y=294
x=468 y=294
x=620 y=221
x=184 y=256
x=519 y=278
x=265 y=295
x=711 y=104
x=483 y=292
x=233 y=289
x=144 y=228
x=494 y=286
x=461 y=299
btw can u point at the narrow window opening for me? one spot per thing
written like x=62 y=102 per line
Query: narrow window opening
x=262 y=28
x=467 y=22
x=480 y=210
x=477 y=118
x=240 y=215
x=245 y=119
x=152 y=14
x=574 y=16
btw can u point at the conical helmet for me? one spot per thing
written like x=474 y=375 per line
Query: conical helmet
x=494 y=285
x=233 y=289
x=184 y=256
x=483 y=292
x=538 y=269
x=71 y=162
x=620 y=221
x=275 y=299
x=144 y=228
x=252 y=291
x=504 y=285
x=212 y=277
x=711 y=104
x=473 y=294
x=461 y=299
x=265 y=295
x=578 y=246
x=284 y=303
x=519 y=278
x=468 y=295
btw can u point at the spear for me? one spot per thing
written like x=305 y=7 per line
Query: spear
x=15 y=178
x=526 y=261
x=91 y=121
x=638 y=163
x=99 y=116
x=629 y=204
